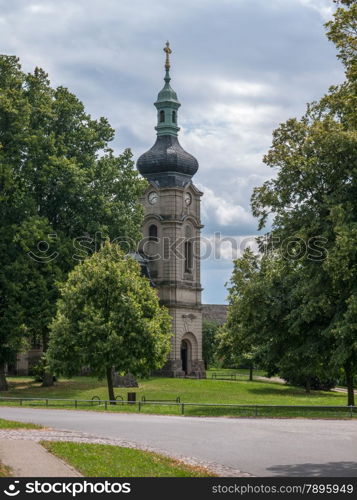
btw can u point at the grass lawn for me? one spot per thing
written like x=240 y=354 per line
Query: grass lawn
x=10 y=424
x=102 y=460
x=241 y=392
x=5 y=471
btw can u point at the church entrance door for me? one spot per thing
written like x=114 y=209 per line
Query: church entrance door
x=184 y=356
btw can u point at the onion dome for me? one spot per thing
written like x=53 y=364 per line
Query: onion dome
x=167 y=163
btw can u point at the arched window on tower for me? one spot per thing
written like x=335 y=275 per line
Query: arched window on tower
x=188 y=257
x=174 y=118
x=153 y=232
x=162 y=116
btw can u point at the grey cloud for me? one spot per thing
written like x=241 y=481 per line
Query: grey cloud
x=240 y=67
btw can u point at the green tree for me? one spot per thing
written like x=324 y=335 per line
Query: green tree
x=209 y=342
x=269 y=320
x=58 y=177
x=27 y=297
x=313 y=199
x=235 y=340
x=342 y=31
x=109 y=317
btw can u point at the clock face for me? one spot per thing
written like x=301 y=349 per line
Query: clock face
x=153 y=197
x=188 y=199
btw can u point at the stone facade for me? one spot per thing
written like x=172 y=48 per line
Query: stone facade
x=127 y=380
x=216 y=313
x=174 y=264
x=171 y=231
x=25 y=361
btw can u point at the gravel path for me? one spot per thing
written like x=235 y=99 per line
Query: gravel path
x=282 y=381
x=341 y=389
x=82 y=437
x=26 y=458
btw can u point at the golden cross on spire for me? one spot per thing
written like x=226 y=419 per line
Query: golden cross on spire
x=168 y=52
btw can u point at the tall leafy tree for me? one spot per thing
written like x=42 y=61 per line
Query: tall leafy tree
x=60 y=183
x=108 y=318
x=268 y=325
x=295 y=307
x=237 y=337
x=313 y=200
x=209 y=342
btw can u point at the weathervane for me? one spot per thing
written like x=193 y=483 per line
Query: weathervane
x=168 y=51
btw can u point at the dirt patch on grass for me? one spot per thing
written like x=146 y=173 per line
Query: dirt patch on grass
x=4 y=470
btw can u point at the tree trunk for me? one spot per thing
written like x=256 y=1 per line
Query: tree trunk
x=44 y=341
x=251 y=372
x=110 y=385
x=308 y=385
x=3 y=381
x=48 y=376
x=47 y=379
x=349 y=383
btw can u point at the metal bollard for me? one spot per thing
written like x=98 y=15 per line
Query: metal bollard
x=131 y=397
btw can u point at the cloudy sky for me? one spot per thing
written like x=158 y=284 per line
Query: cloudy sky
x=240 y=67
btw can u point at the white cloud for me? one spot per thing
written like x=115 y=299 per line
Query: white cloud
x=323 y=7
x=219 y=210
x=239 y=68
x=40 y=8
x=218 y=247
x=226 y=88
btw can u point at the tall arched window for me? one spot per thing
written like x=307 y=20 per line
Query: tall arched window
x=162 y=116
x=188 y=257
x=153 y=232
x=174 y=119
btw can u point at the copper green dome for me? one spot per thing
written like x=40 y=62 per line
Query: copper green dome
x=167 y=93
x=167 y=163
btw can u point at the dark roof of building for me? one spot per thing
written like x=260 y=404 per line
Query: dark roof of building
x=167 y=157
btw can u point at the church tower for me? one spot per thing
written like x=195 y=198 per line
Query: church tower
x=171 y=232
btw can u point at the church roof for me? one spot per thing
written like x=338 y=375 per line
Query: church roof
x=167 y=163
x=167 y=157
x=167 y=93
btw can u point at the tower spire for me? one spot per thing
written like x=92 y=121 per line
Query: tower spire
x=168 y=52
x=167 y=103
x=166 y=163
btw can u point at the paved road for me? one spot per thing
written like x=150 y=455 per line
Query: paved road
x=262 y=447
